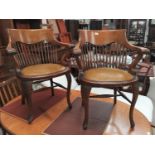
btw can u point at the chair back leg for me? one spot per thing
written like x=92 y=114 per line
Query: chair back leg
x=134 y=99
x=85 y=92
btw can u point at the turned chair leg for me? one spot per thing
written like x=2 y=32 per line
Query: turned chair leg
x=52 y=87
x=68 y=76
x=27 y=96
x=134 y=99
x=115 y=96
x=3 y=130
x=85 y=91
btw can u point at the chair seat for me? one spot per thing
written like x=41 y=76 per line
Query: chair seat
x=42 y=70
x=107 y=75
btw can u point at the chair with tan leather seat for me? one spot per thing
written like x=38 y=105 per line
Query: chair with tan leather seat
x=39 y=57
x=106 y=59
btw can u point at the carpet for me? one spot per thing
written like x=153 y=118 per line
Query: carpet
x=70 y=121
x=41 y=100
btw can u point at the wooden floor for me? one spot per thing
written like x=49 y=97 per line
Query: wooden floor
x=118 y=124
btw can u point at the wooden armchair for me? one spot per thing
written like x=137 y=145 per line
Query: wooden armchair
x=39 y=57
x=9 y=89
x=106 y=59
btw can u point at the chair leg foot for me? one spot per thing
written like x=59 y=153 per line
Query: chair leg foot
x=68 y=76
x=134 y=99
x=52 y=87
x=30 y=118
x=3 y=130
x=85 y=125
x=115 y=96
x=132 y=125
x=70 y=106
x=85 y=91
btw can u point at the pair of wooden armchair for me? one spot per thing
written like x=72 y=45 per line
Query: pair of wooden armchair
x=104 y=59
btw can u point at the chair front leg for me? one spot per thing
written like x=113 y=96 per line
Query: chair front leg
x=115 y=95
x=85 y=91
x=134 y=99
x=27 y=96
x=3 y=130
x=68 y=76
x=52 y=88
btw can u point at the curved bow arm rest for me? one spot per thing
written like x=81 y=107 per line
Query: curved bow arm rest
x=139 y=52
x=67 y=45
x=67 y=53
x=11 y=50
x=77 y=50
x=143 y=50
x=76 y=54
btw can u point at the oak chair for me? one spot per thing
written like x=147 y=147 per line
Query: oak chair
x=106 y=59
x=39 y=57
x=9 y=89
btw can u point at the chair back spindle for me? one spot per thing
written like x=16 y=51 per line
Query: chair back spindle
x=36 y=53
x=112 y=55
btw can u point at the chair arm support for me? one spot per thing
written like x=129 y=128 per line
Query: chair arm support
x=76 y=52
x=143 y=50
x=65 y=44
x=67 y=54
x=11 y=50
x=139 y=51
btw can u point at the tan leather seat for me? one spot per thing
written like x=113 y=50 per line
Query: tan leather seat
x=107 y=74
x=42 y=69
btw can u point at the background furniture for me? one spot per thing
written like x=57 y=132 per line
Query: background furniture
x=136 y=31
x=151 y=39
x=95 y=24
x=63 y=35
x=102 y=56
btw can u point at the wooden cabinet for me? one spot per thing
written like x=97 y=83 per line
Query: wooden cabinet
x=136 y=31
x=151 y=39
x=72 y=27
x=96 y=24
x=151 y=33
x=121 y=23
